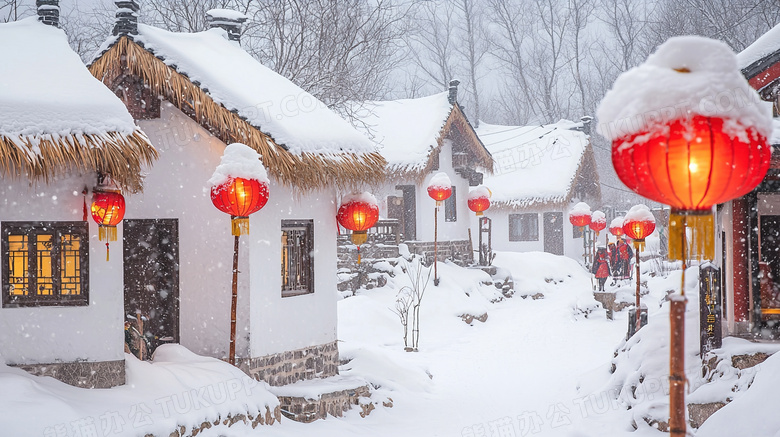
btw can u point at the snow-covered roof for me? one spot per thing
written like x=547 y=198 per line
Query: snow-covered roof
x=766 y=44
x=533 y=164
x=51 y=106
x=406 y=131
x=272 y=103
x=301 y=140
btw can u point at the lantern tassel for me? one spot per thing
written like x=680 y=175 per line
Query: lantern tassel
x=240 y=226
x=358 y=251
x=106 y=251
x=701 y=244
x=639 y=245
x=107 y=233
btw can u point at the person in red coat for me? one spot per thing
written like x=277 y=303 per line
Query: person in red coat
x=601 y=267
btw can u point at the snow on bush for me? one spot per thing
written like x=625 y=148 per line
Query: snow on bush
x=239 y=161
x=687 y=75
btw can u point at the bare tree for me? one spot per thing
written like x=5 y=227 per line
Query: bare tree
x=580 y=12
x=474 y=49
x=185 y=15
x=432 y=42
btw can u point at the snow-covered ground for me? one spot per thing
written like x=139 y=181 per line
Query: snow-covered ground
x=535 y=366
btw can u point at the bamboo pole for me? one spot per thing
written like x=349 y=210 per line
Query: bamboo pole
x=677 y=425
x=435 y=244
x=234 y=304
x=638 y=304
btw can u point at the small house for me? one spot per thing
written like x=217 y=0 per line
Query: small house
x=419 y=138
x=61 y=132
x=193 y=94
x=540 y=172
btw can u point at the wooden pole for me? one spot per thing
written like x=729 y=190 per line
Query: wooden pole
x=435 y=244
x=677 y=425
x=638 y=304
x=234 y=304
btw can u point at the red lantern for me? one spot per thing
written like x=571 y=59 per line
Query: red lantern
x=598 y=222
x=692 y=164
x=616 y=227
x=580 y=220
x=108 y=209
x=358 y=217
x=240 y=197
x=479 y=204
x=439 y=193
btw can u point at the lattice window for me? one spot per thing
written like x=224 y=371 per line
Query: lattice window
x=297 y=261
x=45 y=263
x=524 y=227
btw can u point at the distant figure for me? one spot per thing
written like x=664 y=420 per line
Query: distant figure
x=613 y=258
x=601 y=267
x=624 y=255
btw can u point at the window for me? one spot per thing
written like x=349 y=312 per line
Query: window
x=297 y=262
x=524 y=227
x=450 y=208
x=45 y=264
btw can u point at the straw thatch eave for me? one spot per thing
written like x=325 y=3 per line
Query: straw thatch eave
x=42 y=158
x=455 y=120
x=304 y=172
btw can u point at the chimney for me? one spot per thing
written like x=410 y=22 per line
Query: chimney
x=126 y=22
x=226 y=19
x=453 y=95
x=48 y=12
x=586 y=119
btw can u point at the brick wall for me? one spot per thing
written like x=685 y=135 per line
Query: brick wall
x=458 y=251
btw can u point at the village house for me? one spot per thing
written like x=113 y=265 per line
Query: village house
x=540 y=172
x=193 y=94
x=420 y=138
x=748 y=231
x=61 y=133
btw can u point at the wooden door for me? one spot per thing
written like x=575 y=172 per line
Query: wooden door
x=151 y=272
x=553 y=232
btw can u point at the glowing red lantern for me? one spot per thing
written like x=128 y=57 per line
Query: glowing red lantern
x=479 y=200
x=638 y=225
x=358 y=217
x=692 y=164
x=240 y=197
x=439 y=193
x=580 y=214
x=598 y=222
x=108 y=209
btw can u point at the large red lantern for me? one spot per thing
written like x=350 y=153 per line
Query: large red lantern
x=440 y=188
x=580 y=214
x=108 y=209
x=240 y=197
x=479 y=200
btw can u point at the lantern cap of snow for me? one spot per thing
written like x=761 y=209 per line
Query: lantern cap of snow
x=598 y=221
x=440 y=187
x=239 y=161
x=686 y=76
x=579 y=215
x=358 y=212
x=479 y=199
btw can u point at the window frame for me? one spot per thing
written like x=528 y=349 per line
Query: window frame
x=57 y=230
x=513 y=226
x=308 y=287
x=451 y=207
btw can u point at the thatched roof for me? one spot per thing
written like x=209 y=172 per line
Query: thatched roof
x=56 y=119
x=410 y=133
x=539 y=166
x=230 y=94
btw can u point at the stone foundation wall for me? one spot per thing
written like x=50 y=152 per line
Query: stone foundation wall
x=308 y=410
x=288 y=367
x=347 y=254
x=83 y=374
x=458 y=251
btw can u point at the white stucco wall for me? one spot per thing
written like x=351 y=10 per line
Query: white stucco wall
x=456 y=230
x=176 y=188
x=32 y=335
x=572 y=247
